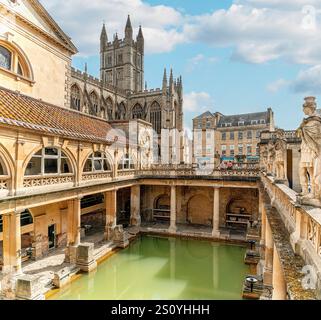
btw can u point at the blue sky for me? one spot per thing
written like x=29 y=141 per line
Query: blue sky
x=235 y=56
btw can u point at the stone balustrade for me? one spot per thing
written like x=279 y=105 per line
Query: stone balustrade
x=89 y=176
x=46 y=183
x=302 y=222
x=40 y=181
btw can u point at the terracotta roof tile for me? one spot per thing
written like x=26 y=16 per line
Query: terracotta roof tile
x=22 y=111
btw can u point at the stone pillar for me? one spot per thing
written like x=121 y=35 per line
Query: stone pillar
x=278 y=281
x=11 y=243
x=135 y=218
x=267 y=276
x=76 y=220
x=263 y=226
x=172 y=227
x=110 y=210
x=216 y=213
x=74 y=228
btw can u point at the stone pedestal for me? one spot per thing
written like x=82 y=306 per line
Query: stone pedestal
x=120 y=237
x=71 y=254
x=28 y=287
x=61 y=278
x=85 y=257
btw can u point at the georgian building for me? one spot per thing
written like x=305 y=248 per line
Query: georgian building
x=230 y=136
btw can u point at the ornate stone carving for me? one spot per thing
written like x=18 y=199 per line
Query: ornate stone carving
x=310 y=164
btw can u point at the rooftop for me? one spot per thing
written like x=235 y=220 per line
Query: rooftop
x=22 y=111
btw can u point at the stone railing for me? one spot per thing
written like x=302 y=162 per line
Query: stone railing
x=302 y=222
x=177 y=171
x=39 y=181
x=89 y=176
x=127 y=173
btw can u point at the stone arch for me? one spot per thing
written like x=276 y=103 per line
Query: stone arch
x=76 y=98
x=24 y=65
x=7 y=162
x=162 y=201
x=200 y=210
x=235 y=204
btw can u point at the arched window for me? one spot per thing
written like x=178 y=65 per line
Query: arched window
x=137 y=112
x=75 y=99
x=5 y=58
x=48 y=161
x=12 y=59
x=94 y=101
x=126 y=163
x=156 y=117
x=97 y=161
x=121 y=111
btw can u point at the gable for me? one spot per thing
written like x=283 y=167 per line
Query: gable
x=35 y=14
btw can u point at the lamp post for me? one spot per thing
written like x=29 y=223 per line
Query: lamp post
x=252 y=244
x=251 y=280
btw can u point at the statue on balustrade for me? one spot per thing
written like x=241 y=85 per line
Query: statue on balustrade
x=280 y=147
x=310 y=163
x=263 y=157
x=271 y=159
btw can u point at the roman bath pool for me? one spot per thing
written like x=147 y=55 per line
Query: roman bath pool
x=164 y=268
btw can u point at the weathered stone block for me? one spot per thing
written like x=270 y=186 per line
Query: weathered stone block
x=120 y=237
x=62 y=277
x=85 y=257
x=28 y=287
x=71 y=254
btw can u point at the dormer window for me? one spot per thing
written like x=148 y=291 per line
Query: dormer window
x=241 y=123
x=254 y=121
x=262 y=121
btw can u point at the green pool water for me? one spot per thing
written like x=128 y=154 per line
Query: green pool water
x=161 y=268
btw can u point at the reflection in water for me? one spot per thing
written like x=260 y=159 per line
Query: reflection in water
x=160 y=268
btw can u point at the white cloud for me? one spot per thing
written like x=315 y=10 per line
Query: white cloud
x=308 y=81
x=259 y=35
x=277 y=85
x=258 y=31
x=197 y=101
x=198 y=60
x=82 y=20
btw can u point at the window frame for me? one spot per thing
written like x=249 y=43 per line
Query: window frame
x=101 y=159
x=43 y=156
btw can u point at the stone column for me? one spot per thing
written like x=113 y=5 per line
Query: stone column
x=216 y=213
x=135 y=218
x=110 y=210
x=172 y=227
x=278 y=281
x=263 y=225
x=76 y=220
x=11 y=242
x=267 y=276
x=74 y=228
